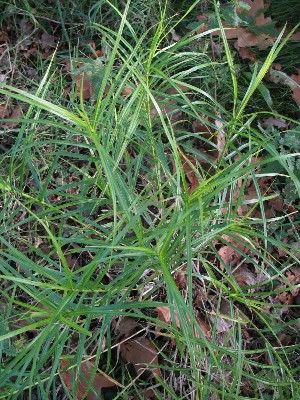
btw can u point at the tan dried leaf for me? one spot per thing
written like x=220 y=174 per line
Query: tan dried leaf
x=189 y=166
x=296 y=90
x=276 y=122
x=228 y=254
x=139 y=353
x=222 y=324
x=245 y=53
x=256 y=6
x=3 y=111
x=125 y=327
x=164 y=314
x=86 y=370
x=126 y=91
x=48 y=42
x=85 y=84
x=180 y=277
x=16 y=113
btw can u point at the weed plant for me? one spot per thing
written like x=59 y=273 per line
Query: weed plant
x=87 y=189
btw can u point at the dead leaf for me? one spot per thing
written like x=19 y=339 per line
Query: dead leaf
x=180 y=277
x=245 y=277
x=221 y=138
x=203 y=20
x=98 y=54
x=293 y=274
x=164 y=314
x=72 y=262
x=244 y=53
x=229 y=255
x=189 y=166
x=3 y=111
x=85 y=372
x=296 y=90
x=275 y=122
x=16 y=113
x=85 y=84
x=125 y=327
x=3 y=37
x=126 y=91
x=282 y=78
x=175 y=37
x=167 y=104
x=244 y=37
x=48 y=42
x=284 y=297
x=205 y=328
x=139 y=353
x=223 y=324
x=256 y=8
x=149 y=394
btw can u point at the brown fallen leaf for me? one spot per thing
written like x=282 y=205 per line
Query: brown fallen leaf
x=180 y=277
x=284 y=297
x=48 y=42
x=275 y=122
x=3 y=111
x=245 y=277
x=229 y=255
x=256 y=8
x=245 y=53
x=16 y=113
x=140 y=352
x=149 y=394
x=222 y=324
x=167 y=104
x=189 y=166
x=164 y=314
x=125 y=327
x=126 y=91
x=296 y=90
x=84 y=84
x=85 y=372
x=244 y=37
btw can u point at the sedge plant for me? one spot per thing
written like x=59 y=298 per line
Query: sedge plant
x=86 y=188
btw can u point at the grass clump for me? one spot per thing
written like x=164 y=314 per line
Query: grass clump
x=107 y=204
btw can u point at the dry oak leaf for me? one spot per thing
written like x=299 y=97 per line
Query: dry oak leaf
x=84 y=84
x=164 y=314
x=140 y=352
x=256 y=7
x=284 y=297
x=275 y=122
x=16 y=113
x=230 y=255
x=245 y=277
x=180 y=277
x=48 y=42
x=296 y=90
x=189 y=166
x=244 y=38
x=244 y=53
x=3 y=111
x=85 y=372
x=125 y=327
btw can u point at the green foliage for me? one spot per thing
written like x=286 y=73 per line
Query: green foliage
x=89 y=188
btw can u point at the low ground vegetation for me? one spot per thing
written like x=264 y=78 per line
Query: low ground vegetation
x=149 y=200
